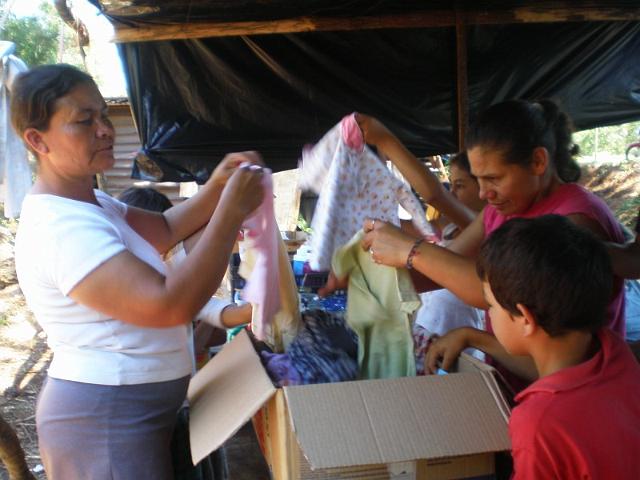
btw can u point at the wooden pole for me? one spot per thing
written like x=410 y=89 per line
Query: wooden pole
x=462 y=86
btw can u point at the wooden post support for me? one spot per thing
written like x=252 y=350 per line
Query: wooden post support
x=462 y=90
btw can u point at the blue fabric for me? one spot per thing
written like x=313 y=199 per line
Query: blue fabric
x=280 y=369
x=632 y=309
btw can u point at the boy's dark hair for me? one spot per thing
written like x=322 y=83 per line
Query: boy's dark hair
x=517 y=127
x=559 y=271
x=146 y=198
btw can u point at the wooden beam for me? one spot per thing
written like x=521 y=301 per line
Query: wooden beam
x=548 y=13
x=295 y=25
x=424 y=19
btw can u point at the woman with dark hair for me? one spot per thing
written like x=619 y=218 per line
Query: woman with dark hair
x=521 y=153
x=91 y=271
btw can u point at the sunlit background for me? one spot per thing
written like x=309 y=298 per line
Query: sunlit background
x=101 y=60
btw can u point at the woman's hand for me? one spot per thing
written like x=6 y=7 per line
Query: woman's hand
x=230 y=164
x=445 y=350
x=373 y=131
x=244 y=191
x=387 y=244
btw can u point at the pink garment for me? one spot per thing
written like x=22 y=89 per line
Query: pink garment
x=568 y=199
x=262 y=287
x=351 y=133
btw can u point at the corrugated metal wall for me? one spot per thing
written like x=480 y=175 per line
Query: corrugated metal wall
x=126 y=145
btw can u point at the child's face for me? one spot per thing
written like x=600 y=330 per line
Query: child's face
x=505 y=328
x=465 y=188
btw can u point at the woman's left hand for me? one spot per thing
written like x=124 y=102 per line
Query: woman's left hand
x=387 y=244
x=230 y=163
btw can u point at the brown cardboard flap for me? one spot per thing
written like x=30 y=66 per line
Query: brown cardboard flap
x=503 y=391
x=396 y=420
x=469 y=363
x=225 y=394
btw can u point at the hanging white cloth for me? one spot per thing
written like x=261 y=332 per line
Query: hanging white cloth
x=15 y=171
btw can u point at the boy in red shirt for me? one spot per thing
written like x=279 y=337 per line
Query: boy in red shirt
x=548 y=283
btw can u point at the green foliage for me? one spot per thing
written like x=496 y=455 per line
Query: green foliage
x=613 y=140
x=303 y=225
x=37 y=37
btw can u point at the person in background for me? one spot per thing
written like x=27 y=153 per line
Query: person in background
x=581 y=418
x=217 y=313
x=521 y=153
x=442 y=310
x=464 y=186
x=626 y=257
x=626 y=260
x=92 y=273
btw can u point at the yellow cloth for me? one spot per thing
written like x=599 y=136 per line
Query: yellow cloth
x=380 y=302
x=432 y=214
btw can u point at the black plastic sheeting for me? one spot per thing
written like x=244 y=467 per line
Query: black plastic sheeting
x=195 y=100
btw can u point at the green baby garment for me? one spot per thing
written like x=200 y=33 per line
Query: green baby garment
x=380 y=302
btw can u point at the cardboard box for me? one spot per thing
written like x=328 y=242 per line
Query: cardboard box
x=434 y=427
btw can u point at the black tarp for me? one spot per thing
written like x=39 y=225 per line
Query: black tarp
x=195 y=100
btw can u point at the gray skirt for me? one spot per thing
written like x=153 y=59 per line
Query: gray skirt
x=102 y=432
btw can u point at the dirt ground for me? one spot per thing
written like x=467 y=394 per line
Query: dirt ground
x=619 y=186
x=24 y=356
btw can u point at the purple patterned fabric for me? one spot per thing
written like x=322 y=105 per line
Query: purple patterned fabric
x=325 y=351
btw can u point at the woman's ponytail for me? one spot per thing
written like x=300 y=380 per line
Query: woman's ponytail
x=560 y=125
x=517 y=127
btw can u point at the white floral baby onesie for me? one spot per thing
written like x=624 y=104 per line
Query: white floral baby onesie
x=353 y=184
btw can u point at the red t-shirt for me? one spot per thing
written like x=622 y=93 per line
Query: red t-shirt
x=582 y=422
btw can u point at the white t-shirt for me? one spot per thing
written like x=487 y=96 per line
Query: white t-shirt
x=442 y=311
x=211 y=313
x=59 y=242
